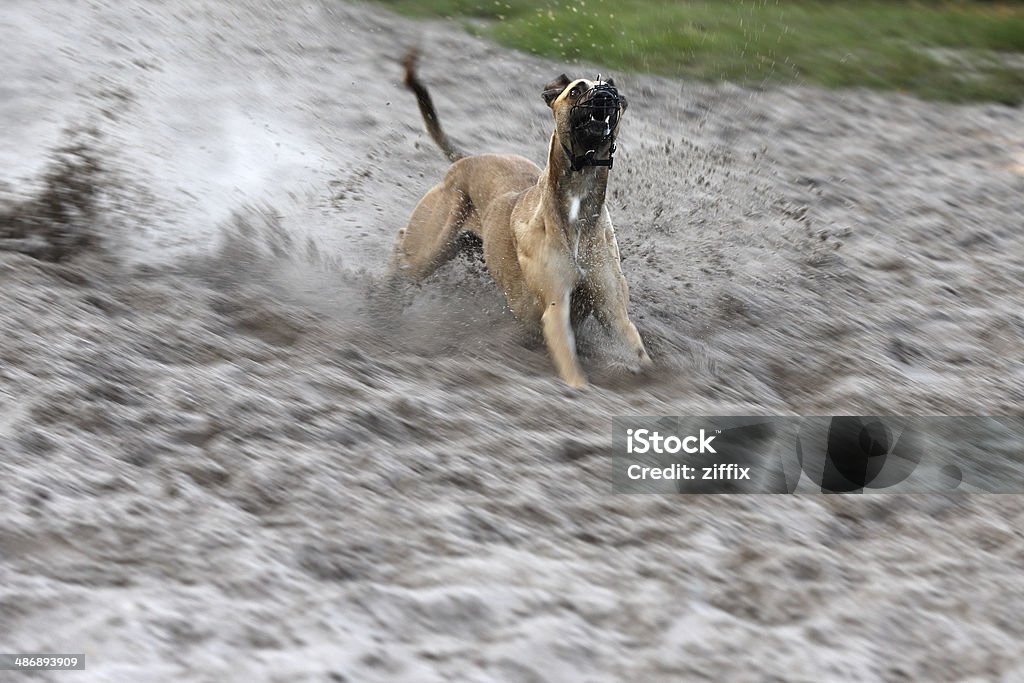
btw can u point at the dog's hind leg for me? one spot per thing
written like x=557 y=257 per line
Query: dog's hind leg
x=431 y=237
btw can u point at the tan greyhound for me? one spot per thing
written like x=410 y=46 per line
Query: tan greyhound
x=548 y=240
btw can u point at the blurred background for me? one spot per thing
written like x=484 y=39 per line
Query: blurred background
x=951 y=51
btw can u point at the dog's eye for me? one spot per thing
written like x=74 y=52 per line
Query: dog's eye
x=575 y=92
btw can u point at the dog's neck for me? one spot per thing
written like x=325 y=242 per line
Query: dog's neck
x=579 y=195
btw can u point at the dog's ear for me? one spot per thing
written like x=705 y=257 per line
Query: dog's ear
x=553 y=89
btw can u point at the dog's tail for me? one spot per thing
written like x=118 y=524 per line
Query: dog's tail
x=427 y=107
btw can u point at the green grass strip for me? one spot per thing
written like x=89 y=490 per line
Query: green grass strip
x=950 y=51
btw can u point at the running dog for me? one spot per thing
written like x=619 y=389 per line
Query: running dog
x=548 y=239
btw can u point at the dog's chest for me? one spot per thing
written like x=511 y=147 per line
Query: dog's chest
x=581 y=217
x=575 y=229
x=580 y=210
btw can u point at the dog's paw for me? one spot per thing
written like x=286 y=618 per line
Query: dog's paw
x=641 y=366
x=643 y=362
x=576 y=382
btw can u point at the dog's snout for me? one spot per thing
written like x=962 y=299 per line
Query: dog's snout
x=603 y=102
x=603 y=99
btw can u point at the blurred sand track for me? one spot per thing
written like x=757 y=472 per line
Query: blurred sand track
x=224 y=458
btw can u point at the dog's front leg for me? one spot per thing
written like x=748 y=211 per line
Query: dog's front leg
x=611 y=304
x=550 y=278
x=561 y=341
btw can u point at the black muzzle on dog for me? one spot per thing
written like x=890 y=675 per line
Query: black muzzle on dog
x=592 y=123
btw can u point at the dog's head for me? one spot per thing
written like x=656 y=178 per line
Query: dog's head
x=587 y=113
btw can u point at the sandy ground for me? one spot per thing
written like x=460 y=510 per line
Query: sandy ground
x=221 y=460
